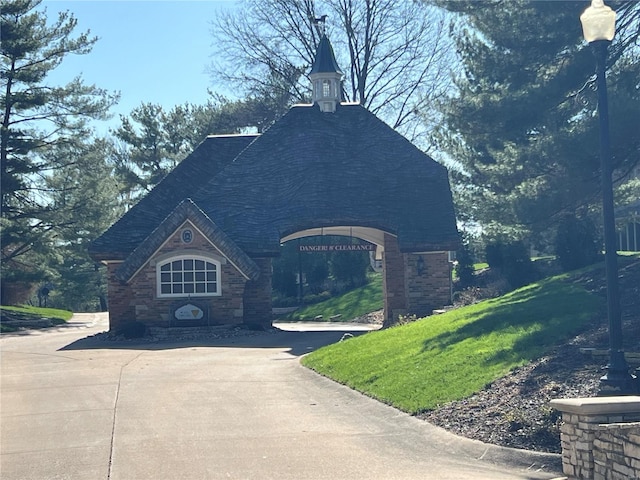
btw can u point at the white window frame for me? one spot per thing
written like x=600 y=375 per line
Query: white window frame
x=194 y=272
x=326 y=89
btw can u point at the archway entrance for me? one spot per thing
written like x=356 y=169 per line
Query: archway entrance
x=414 y=283
x=236 y=198
x=330 y=261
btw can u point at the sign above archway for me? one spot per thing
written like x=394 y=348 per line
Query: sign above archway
x=345 y=247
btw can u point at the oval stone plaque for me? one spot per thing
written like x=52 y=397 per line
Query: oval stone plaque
x=189 y=312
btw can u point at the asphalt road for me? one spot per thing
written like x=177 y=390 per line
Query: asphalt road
x=75 y=407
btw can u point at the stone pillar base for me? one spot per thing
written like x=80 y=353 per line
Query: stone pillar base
x=592 y=446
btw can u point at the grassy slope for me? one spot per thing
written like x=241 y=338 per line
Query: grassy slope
x=351 y=305
x=14 y=318
x=439 y=359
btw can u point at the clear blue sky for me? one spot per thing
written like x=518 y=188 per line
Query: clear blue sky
x=150 y=51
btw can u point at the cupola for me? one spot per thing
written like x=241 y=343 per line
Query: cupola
x=326 y=77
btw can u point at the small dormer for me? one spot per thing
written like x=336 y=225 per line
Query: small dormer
x=326 y=77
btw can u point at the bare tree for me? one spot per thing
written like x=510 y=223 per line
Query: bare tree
x=396 y=56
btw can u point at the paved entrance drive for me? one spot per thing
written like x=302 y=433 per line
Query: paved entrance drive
x=239 y=408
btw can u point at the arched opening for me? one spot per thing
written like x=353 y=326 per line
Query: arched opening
x=319 y=263
x=413 y=283
x=334 y=170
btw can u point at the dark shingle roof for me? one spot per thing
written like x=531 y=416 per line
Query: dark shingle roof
x=187 y=210
x=208 y=159
x=325 y=60
x=310 y=169
x=315 y=169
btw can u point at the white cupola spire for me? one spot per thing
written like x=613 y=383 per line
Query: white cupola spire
x=326 y=76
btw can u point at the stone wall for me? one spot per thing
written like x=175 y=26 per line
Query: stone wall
x=257 y=296
x=616 y=452
x=121 y=304
x=428 y=281
x=600 y=437
x=393 y=278
x=414 y=283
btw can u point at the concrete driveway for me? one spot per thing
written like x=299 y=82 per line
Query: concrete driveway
x=76 y=407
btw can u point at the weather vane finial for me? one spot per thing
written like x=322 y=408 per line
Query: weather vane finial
x=320 y=24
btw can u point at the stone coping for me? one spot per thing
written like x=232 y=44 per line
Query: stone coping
x=598 y=405
x=619 y=426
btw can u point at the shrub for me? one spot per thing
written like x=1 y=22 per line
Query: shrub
x=317 y=297
x=512 y=259
x=132 y=330
x=284 y=282
x=464 y=267
x=576 y=244
x=494 y=254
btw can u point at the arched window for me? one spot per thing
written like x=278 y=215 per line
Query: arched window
x=183 y=276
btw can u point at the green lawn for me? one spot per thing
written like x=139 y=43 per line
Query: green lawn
x=350 y=305
x=433 y=361
x=14 y=318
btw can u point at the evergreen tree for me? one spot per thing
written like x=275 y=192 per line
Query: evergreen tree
x=575 y=243
x=521 y=125
x=147 y=150
x=350 y=268
x=37 y=118
x=85 y=196
x=464 y=267
x=152 y=141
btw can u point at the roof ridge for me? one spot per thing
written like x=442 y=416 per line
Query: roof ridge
x=228 y=135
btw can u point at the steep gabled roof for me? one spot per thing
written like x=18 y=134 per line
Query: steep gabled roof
x=310 y=169
x=317 y=170
x=187 y=210
x=208 y=159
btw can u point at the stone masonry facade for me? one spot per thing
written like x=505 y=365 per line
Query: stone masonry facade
x=414 y=284
x=138 y=300
x=428 y=282
x=393 y=281
x=257 y=297
x=121 y=303
x=616 y=452
x=600 y=438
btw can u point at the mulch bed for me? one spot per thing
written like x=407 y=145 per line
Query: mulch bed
x=514 y=410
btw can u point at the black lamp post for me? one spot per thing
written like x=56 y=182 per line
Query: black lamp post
x=598 y=26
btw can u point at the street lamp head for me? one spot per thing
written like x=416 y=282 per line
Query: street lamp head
x=598 y=22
